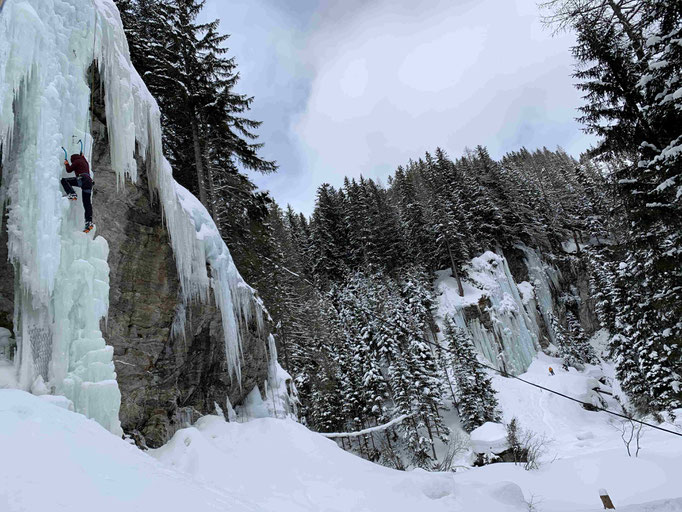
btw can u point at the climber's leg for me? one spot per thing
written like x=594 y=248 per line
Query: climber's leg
x=87 y=204
x=67 y=185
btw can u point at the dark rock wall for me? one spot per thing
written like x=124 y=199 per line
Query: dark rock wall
x=165 y=381
x=6 y=281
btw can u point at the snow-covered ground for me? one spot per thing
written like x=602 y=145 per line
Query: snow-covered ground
x=584 y=452
x=57 y=460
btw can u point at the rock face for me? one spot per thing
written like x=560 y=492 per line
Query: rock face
x=6 y=280
x=166 y=380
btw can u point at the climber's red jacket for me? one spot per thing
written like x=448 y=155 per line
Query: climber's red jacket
x=79 y=165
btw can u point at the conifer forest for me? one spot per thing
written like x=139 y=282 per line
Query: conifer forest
x=463 y=309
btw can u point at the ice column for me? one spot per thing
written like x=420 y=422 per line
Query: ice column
x=46 y=47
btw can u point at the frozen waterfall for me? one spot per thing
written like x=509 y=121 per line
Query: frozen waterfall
x=502 y=317
x=61 y=291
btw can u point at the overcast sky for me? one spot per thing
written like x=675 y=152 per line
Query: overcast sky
x=350 y=87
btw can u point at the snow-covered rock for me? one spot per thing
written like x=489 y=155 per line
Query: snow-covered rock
x=490 y=437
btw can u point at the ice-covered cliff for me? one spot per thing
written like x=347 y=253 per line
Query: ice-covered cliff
x=506 y=320
x=61 y=290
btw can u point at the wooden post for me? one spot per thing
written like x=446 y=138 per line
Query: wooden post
x=606 y=500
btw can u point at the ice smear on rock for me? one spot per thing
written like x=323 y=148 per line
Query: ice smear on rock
x=46 y=50
x=281 y=397
x=500 y=315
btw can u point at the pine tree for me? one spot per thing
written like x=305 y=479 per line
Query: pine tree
x=476 y=397
x=412 y=217
x=328 y=234
x=581 y=344
x=573 y=346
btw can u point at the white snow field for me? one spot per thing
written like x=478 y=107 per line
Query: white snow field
x=57 y=460
x=46 y=48
x=54 y=459
x=584 y=451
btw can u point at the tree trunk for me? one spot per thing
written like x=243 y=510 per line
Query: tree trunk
x=577 y=245
x=634 y=39
x=212 y=196
x=455 y=274
x=428 y=429
x=203 y=197
x=286 y=352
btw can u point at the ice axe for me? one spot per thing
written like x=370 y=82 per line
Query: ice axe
x=66 y=156
x=80 y=141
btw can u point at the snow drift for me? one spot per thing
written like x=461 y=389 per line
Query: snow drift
x=60 y=461
x=61 y=292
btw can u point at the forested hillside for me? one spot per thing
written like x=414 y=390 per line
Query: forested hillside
x=350 y=288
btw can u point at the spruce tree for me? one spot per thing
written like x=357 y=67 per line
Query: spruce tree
x=573 y=347
x=328 y=235
x=477 y=403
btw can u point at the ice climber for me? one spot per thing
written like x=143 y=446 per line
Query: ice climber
x=79 y=165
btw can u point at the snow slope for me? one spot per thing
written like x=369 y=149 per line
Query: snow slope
x=584 y=452
x=58 y=460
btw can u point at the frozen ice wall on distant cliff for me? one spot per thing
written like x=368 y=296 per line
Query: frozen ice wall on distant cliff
x=503 y=317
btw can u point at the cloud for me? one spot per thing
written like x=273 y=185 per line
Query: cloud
x=360 y=87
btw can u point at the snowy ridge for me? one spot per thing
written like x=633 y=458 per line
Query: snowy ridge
x=46 y=49
x=62 y=462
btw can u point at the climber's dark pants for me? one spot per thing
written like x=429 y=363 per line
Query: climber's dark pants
x=85 y=183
